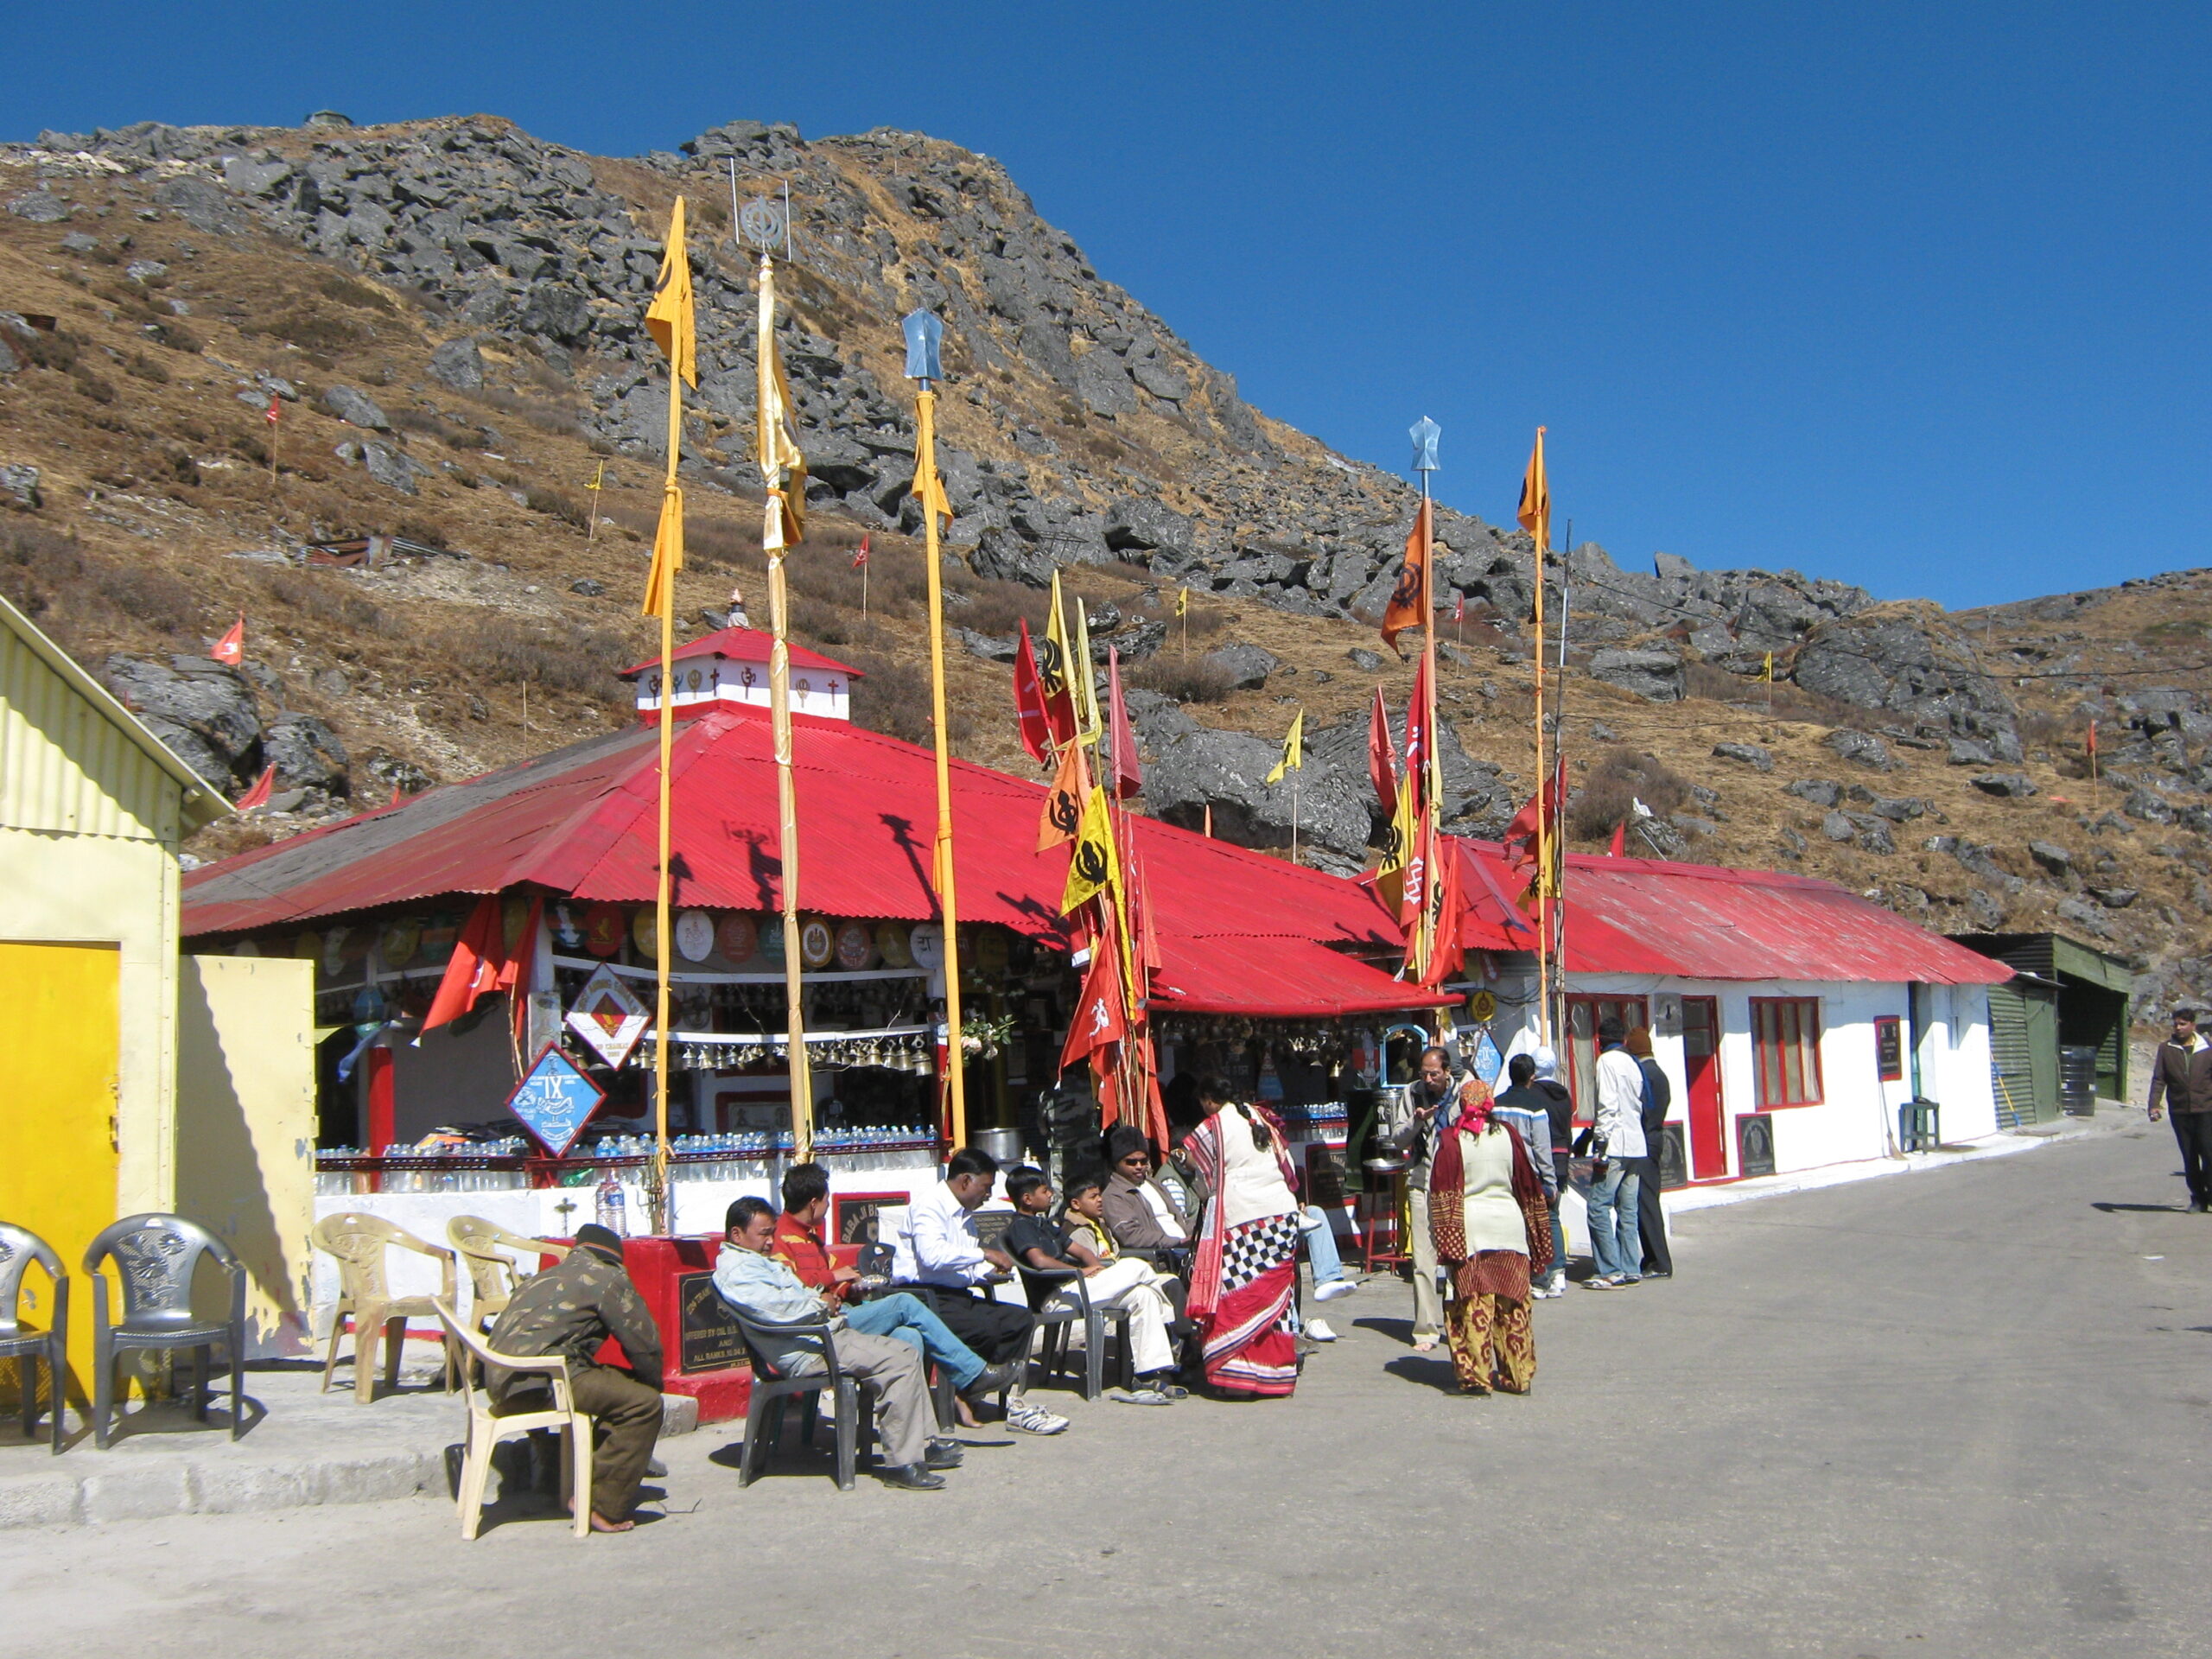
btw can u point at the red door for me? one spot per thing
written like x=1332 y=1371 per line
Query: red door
x=1701 y=1060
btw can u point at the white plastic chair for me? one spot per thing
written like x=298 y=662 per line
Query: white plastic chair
x=486 y=1430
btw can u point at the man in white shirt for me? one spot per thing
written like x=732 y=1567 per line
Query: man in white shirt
x=938 y=1256
x=1617 y=1139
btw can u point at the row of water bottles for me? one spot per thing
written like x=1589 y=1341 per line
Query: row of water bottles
x=735 y=1156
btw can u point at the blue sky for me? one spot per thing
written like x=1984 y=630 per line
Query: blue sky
x=1909 y=295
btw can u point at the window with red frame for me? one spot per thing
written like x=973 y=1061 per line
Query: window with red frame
x=1786 y=1045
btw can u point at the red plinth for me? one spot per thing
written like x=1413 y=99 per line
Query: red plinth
x=701 y=1353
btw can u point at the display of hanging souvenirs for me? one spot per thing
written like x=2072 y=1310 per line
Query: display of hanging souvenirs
x=736 y=937
x=816 y=943
x=645 y=933
x=556 y=1101
x=855 y=947
x=890 y=944
x=603 y=930
x=608 y=1016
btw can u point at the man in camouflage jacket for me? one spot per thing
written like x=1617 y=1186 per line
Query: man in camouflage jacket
x=569 y=1310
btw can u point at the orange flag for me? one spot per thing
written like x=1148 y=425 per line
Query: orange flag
x=1536 y=512
x=259 y=794
x=1410 y=598
x=1064 y=802
x=230 y=648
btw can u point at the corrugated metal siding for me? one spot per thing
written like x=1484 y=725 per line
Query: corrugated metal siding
x=2009 y=1062
x=66 y=767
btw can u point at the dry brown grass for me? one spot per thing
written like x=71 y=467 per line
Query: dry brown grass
x=1607 y=792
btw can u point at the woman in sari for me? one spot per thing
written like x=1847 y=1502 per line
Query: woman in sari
x=1490 y=1226
x=1245 y=1273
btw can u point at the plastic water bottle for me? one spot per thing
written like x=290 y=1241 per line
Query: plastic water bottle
x=612 y=1209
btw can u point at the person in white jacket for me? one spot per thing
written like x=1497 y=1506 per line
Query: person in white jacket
x=1616 y=1139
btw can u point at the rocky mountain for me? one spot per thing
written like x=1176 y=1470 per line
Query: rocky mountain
x=446 y=316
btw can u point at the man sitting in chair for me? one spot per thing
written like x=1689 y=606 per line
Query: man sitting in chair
x=753 y=1282
x=798 y=1246
x=1083 y=1242
x=569 y=1310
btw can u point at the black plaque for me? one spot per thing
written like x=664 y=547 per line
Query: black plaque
x=1889 y=1049
x=711 y=1341
x=1755 y=1144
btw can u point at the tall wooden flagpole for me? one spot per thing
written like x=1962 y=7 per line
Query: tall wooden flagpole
x=783 y=472
x=672 y=323
x=1535 y=517
x=924 y=339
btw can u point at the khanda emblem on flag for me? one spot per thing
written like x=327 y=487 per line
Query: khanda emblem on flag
x=1065 y=816
x=1089 y=865
x=1052 y=666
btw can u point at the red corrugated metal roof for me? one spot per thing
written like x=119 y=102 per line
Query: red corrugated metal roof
x=745 y=646
x=1698 y=921
x=1241 y=931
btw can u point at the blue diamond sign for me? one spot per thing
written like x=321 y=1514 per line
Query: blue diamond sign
x=556 y=1101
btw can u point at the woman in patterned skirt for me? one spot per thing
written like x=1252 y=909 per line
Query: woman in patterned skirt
x=1246 y=1270
x=1491 y=1228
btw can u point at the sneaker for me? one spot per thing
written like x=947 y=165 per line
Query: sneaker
x=1138 y=1397
x=1033 y=1420
x=1601 y=1283
x=910 y=1477
x=1334 y=1288
x=1543 y=1291
x=1318 y=1330
x=1623 y=1280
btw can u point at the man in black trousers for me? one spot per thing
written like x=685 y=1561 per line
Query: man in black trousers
x=1658 y=1100
x=2181 y=1081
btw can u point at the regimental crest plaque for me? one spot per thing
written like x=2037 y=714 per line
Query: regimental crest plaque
x=608 y=1016
x=556 y=1101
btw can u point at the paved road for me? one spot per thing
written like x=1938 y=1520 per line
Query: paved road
x=1957 y=1413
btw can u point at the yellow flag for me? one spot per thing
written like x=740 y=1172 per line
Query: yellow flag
x=1183 y=602
x=1397 y=849
x=1769 y=667
x=1093 y=864
x=668 y=556
x=783 y=468
x=669 y=319
x=929 y=484
x=1084 y=686
x=1535 y=513
x=1054 y=667
x=1294 y=749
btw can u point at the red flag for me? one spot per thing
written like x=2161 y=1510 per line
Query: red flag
x=1420 y=863
x=230 y=648
x=1124 y=771
x=1520 y=835
x=484 y=961
x=1417 y=734
x=1620 y=848
x=396 y=795
x=1029 y=700
x=860 y=556
x=1459 y=608
x=2093 y=737
x=1099 y=1021
x=1408 y=603
x=1382 y=757
x=272 y=408
x=1449 y=952
x=259 y=794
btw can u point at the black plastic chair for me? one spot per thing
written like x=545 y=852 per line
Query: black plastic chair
x=772 y=1387
x=154 y=1255
x=1056 y=1319
x=19 y=1248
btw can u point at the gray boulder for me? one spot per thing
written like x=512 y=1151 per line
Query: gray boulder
x=2052 y=857
x=458 y=364
x=206 y=712
x=199 y=202
x=305 y=754
x=1838 y=826
x=2008 y=784
x=19 y=480
x=2114 y=897
x=1911 y=666
x=1363 y=659
x=1247 y=665
x=990 y=647
x=1654 y=675
x=2086 y=916
x=392 y=469
x=1860 y=749
x=1817 y=790
x=355 y=408
x=1967 y=752
x=1750 y=754
x=40 y=207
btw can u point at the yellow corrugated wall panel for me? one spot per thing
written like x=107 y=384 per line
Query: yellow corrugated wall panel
x=65 y=767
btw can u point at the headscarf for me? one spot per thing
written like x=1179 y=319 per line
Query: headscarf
x=1547 y=1064
x=1475 y=1102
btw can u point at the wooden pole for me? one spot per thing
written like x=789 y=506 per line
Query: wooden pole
x=768 y=400
x=947 y=908
x=656 y=1173
x=1542 y=535
x=598 y=479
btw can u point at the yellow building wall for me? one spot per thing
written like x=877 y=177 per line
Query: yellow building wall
x=245 y=1101
x=81 y=889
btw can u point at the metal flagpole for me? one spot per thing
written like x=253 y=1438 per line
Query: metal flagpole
x=1425 y=434
x=925 y=337
x=1556 y=873
x=776 y=452
x=1541 y=531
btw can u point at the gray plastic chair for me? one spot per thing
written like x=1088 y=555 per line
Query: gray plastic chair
x=1057 y=1318
x=772 y=1388
x=19 y=1248
x=154 y=1257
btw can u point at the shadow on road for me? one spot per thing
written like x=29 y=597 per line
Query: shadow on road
x=1435 y=1369
x=2139 y=1208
